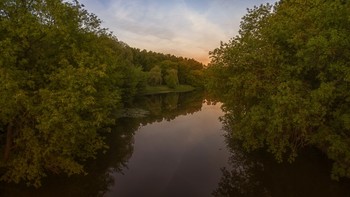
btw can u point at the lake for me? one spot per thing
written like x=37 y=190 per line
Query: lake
x=174 y=145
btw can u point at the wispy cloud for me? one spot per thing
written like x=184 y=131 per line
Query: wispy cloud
x=181 y=27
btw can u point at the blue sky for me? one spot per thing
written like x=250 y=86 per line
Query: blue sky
x=188 y=28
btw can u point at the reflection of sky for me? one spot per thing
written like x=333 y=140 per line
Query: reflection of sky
x=189 y=28
x=182 y=157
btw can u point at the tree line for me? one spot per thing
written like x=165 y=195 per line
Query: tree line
x=285 y=79
x=168 y=69
x=61 y=77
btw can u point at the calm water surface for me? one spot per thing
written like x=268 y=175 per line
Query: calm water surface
x=173 y=145
x=180 y=157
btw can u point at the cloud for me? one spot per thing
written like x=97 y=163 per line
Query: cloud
x=180 y=27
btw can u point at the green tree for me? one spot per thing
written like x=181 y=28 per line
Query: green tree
x=171 y=78
x=285 y=79
x=155 y=76
x=58 y=87
x=189 y=71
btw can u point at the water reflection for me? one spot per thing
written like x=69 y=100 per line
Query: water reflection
x=174 y=151
x=258 y=174
x=121 y=147
x=98 y=179
x=169 y=106
x=179 y=153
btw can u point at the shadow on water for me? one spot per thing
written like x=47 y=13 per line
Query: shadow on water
x=121 y=144
x=246 y=175
x=97 y=180
x=258 y=173
x=169 y=106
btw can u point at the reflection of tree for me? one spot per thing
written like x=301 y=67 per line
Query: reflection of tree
x=120 y=141
x=99 y=171
x=257 y=173
x=169 y=106
x=278 y=93
x=153 y=103
x=240 y=179
x=170 y=101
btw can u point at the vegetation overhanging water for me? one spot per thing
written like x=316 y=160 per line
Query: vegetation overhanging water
x=65 y=81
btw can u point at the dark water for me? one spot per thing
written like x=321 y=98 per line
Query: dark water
x=175 y=147
x=176 y=156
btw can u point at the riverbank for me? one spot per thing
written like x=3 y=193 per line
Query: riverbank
x=165 y=89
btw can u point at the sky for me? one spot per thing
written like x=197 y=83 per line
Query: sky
x=188 y=28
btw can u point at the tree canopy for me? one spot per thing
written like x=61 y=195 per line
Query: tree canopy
x=61 y=77
x=285 y=79
x=188 y=71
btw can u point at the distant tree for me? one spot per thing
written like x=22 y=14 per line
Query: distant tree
x=171 y=78
x=61 y=76
x=155 y=76
x=188 y=69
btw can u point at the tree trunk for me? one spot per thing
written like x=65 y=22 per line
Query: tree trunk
x=8 y=145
